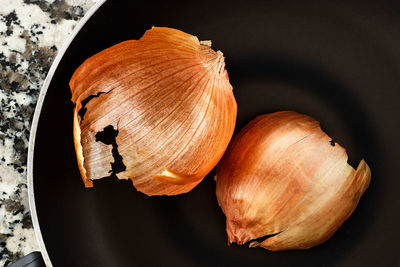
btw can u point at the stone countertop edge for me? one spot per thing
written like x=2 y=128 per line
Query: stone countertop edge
x=32 y=32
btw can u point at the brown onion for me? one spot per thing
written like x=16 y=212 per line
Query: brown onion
x=282 y=177
x=167 y=104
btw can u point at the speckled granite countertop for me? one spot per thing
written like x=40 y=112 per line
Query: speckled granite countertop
x=31 y=33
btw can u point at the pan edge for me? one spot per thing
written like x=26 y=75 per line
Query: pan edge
x=35 y=121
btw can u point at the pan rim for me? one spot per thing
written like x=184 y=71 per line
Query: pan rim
x=35 y=121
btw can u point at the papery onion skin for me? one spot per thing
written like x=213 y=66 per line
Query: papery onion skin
x=171 y=103
x=280 y=175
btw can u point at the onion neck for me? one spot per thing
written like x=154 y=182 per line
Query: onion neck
x=213 y=61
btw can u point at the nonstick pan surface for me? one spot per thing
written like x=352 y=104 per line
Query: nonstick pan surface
x=338 y=61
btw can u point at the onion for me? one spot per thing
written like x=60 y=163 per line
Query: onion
x=159 y=111
x=283 y=185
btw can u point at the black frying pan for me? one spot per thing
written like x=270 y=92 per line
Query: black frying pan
x=336 y=61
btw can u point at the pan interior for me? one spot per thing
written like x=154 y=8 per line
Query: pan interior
x=322 y=59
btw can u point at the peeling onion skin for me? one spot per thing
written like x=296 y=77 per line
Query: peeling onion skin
x=169 y=98
x=280 y=175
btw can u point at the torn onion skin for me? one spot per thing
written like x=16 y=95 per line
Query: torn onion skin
x=78 y=147
x=281 y=175
x=169 y=99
